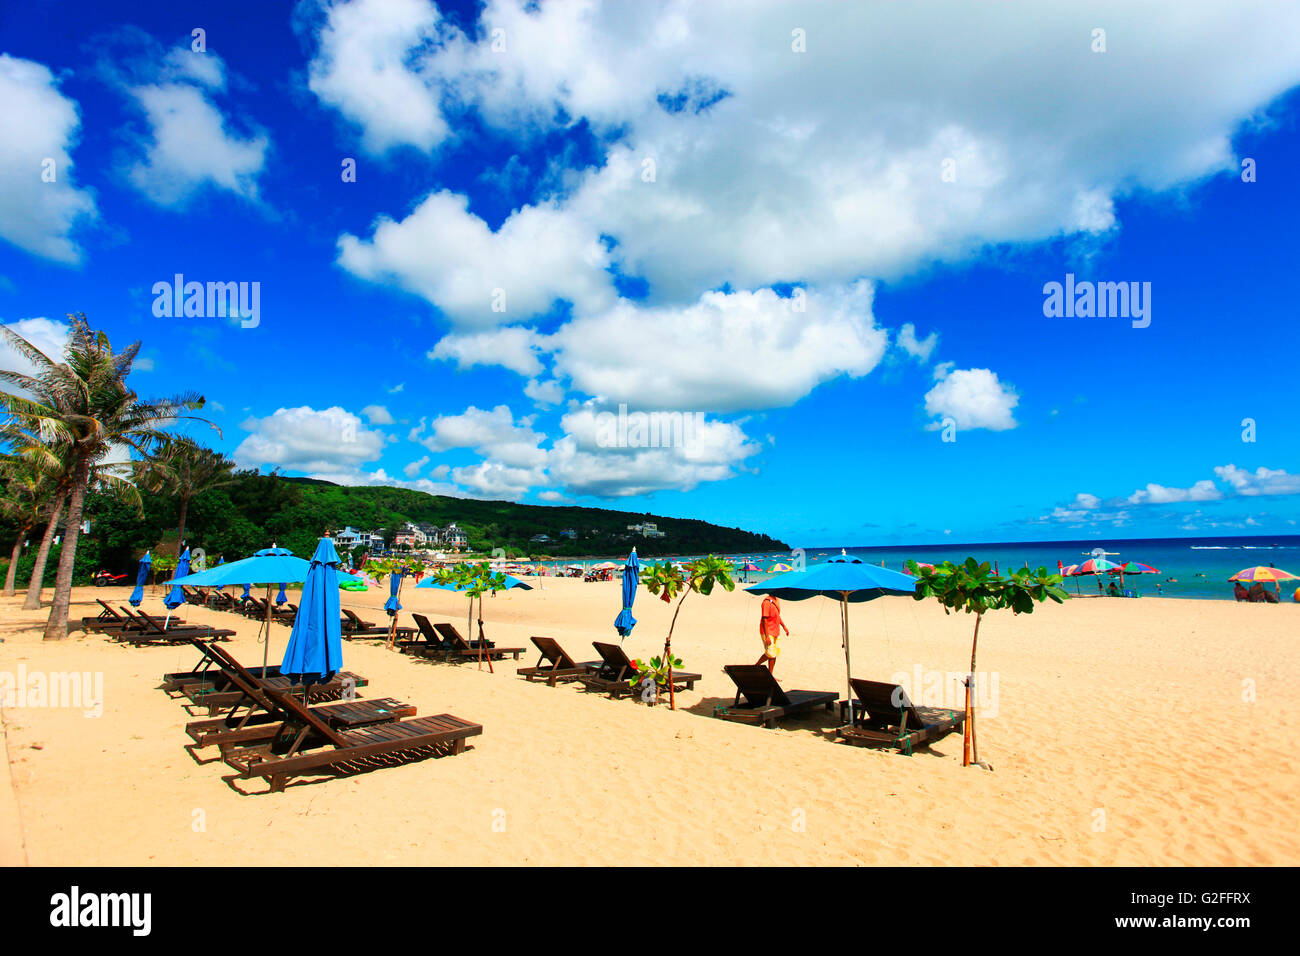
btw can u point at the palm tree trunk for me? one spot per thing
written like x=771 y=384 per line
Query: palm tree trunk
x=33 y=601
x=13 y=561
x=56 y=628
x=180 y=530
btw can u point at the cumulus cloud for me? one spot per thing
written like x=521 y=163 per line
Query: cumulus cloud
x=377 y=415
x=414 y=467
x=190 y=144
x=331 y=440
x=973 y=398
x=512 y=347
x=38 y=130
x=364 y=68
x=479 y=277
x=765 y=172
x=724 y=352
x=493 y=433
x=1262 y=481
x=1203 y=490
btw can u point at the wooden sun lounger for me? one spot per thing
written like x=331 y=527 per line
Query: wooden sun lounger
x=260 y=719
x=217 y=690
x=458 y=646
x=555 y=665
x=151 y=630
x=110 y=620
x=353 y=626
x=883 y=716
x=615 y=669
x=766 y=701
x=361 y=748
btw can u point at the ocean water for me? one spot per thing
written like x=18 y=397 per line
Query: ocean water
x=1189 y=567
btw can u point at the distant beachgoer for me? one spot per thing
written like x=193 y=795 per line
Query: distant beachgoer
x=1113 y=590
x=1239 y=592
x=1256 y=593
x=770 y=626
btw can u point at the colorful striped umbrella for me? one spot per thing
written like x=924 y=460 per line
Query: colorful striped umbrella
x=1096 y=566
x=1260 y=573
x=1137 y=567
x=779 y=569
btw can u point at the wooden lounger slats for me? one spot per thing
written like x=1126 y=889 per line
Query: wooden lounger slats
x=883 y=715
x=555 y=664
x=766 y=701
x=457 y=646
x=614 y=670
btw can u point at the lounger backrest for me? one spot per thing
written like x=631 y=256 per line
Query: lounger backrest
x=452 y=636
x=426 y=628
x=886 y=701
x=107 y=607
x=615 y=661
x=553 y=652
x=274 y=700
x=351 y=615
x=756 y=684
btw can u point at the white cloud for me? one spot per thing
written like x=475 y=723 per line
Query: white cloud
x=919 y=349
x=47 y=335
x=363 y=68
x=191 y=147
x=548 y=392
x=1203 y=490
x=973 y=398
x=303 y=439
x=38 y=123
x=414 y=467
x=785 y=178
x=377 y=415
x=492 y=433
x=726 y=351
x=512 y=347
x=1263 y=481
x=481 y=278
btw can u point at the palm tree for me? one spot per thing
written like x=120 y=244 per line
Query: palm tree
x=23 y=500
x=85 y=404
x=186 y=469
x=107 y=478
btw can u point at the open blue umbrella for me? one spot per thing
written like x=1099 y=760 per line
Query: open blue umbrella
x=631 y=578
x=392 y=605
x=844 y=579
x=315 y=650
x=511 y=582
x=175 y=597
x=268 y=566
x=140 y=576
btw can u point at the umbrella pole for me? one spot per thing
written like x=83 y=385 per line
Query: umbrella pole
x=266 y=644
x=848 y=667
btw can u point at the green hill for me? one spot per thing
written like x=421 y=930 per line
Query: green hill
x=294 y=512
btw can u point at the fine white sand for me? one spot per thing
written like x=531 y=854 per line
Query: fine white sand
x=1121 y=732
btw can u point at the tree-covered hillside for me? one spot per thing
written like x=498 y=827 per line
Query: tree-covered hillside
x=256 y=510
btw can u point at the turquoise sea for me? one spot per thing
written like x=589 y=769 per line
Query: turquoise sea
x=1189 y=567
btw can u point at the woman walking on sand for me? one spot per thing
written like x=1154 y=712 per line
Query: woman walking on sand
x=769 y=627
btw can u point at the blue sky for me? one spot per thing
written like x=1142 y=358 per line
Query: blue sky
x=822 y=232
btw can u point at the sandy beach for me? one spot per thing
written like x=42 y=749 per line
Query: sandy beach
x=1120 y=733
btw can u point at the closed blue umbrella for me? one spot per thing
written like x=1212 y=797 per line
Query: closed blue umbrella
x=281 y=597
x=631 y=578
x=848 y=581
x=140 y=576
x=392 y=605
x=175 y=597
x=247 y=588
x=315 y=651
